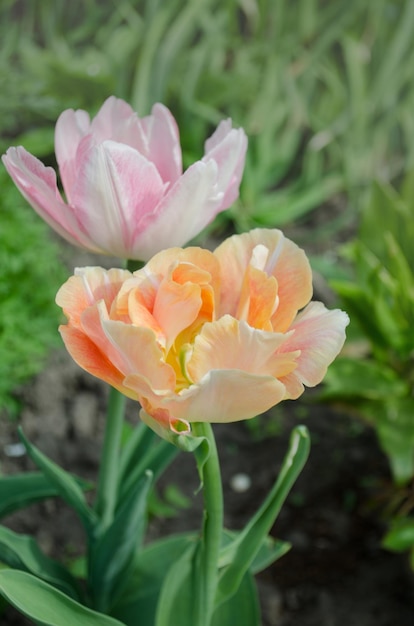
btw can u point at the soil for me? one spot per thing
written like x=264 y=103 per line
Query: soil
x=336 y=573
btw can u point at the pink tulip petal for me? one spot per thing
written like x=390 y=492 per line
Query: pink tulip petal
x=37 y=184
x=161 y=143
x=114 y=121
x=183 y=212
x=285 y=261
x=227 y=147
x=116 y=191
x=319 y=334
x=71 y=127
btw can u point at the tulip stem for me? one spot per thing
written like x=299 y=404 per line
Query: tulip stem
x=106 y=495
x=207 y=572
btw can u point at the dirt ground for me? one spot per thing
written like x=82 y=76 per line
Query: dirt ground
x=336 y=573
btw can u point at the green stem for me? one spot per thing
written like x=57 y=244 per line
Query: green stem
x=207 y=578
x=106 y=496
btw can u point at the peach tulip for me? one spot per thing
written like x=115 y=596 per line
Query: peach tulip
x=126 y=193
x=204 y=336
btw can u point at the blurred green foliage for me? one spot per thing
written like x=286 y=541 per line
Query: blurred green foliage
x=323 y=89
x=30 y=275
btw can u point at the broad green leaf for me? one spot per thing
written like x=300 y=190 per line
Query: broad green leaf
x=400 y=536
x=242 y=608
x=141 y=594
x=241 y=552
x=46 y=605
x=20 y=490
x=270 y=551
x=349 y=378
x=176 y=600
x=112 y=554
x=23 y=553
x=67 y=487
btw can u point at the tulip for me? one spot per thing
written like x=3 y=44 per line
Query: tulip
x=200 y=336
x=126 y=193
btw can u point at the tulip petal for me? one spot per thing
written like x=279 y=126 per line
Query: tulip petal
x=184 y=211
x=161 y=143
x=285 y=261
x=116 y=192
x=37 y=184
x=232 y=345
x=225 y=396
x=87 y=286
x=227 y=147
x=71 y=127
x=90 y=358
x=114 y=121
x=319 y=334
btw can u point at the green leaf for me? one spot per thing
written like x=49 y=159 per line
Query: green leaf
x=21 y=490
x=400 y=537
x=67 y=487
x=242 y=608
x=141 y=594
x=112 y=554
x=175 y=604
x=23 y=553
x=46 y=605
x=270 y=551
x=241 y=553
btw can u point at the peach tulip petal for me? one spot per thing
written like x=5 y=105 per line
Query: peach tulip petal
x=319 y=334
x=139 y=351
x=90 y=358
x=232 y=345
x=176 y=307
x=286 y=262
x=88 y=286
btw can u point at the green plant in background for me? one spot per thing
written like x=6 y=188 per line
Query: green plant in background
x=323 y=90
x=30 y=274
x=377 y=376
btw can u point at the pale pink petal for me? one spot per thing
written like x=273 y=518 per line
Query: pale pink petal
x=114 y=121
x=71 y=127
x=319 y=334
x=184 y=211
x=285 y=261
x=117 y=189
x=37 y=184
x=161 y=143
x=227 y=147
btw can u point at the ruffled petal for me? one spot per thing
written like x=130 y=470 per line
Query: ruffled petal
x=319 y=335
x=285 y=261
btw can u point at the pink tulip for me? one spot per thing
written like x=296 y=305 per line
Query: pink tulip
x=204 y=336
x=126 y=193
